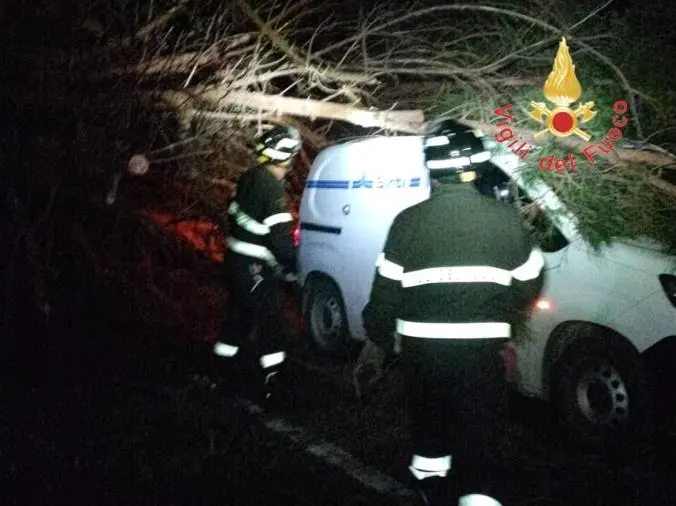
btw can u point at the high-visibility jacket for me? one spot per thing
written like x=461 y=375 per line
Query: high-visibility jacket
x=459 y=265
x=260 y=222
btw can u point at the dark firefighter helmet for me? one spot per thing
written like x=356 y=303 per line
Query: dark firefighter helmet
x=278 y=145
x=452 y=148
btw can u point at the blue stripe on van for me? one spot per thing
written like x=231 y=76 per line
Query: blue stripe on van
x=320 y=228
x=362 y=182
x=343 y=184
x=327 y=183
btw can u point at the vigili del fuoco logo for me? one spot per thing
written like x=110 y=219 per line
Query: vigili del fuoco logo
x=562 y=89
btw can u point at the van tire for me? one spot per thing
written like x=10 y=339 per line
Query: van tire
x=602 y=393
x=325 y=318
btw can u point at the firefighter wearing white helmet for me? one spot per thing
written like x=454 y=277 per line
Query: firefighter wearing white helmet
x=457 y=272
x=260 y=253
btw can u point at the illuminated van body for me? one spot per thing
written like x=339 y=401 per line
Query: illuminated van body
x=601 y=313
x=352 y=194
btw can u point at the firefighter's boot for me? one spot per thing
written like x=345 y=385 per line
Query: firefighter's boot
x=234 y=370
x=434 y=491
x=477 y=500
x=272 y=370
x=433 y=480
x=272 y=387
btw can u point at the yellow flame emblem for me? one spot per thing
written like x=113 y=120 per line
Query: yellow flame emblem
x=562 y=88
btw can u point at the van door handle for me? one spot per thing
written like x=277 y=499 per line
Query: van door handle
x=346 y=209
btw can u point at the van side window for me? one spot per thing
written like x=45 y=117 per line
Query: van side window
x=491 y=180
x=544 y=230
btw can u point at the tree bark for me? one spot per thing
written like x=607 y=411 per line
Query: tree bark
x=400 y=121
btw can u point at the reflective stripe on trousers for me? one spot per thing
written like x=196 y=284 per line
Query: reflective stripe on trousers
x=252 y=250
x=272 y=359
x=454 y=330
x=477 y=500
x=225 y=350
x=266 y=361
x=424 y=467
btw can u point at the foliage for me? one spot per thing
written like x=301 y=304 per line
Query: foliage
x=610 y=200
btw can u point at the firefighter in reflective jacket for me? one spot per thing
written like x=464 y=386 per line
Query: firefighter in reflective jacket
x=457 y=272
x=260 y=253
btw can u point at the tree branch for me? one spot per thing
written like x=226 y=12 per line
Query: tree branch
x=161 y=20
x=297 y=58
x=624 y=156
x=403 y=121
x=508 y=13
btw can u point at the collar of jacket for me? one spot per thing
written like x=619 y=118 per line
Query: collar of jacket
x=453 y=188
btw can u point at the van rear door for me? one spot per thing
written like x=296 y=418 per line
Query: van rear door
x=324 y=209
x=391 y=177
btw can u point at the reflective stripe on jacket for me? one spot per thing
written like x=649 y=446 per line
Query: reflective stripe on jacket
x=250 y=225
x=260 y=222
x=457 y=266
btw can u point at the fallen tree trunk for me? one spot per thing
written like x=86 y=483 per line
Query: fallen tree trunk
x=400 y=121
x=411 y=122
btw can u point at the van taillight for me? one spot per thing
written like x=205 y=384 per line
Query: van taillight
x=295 y=235
x=668 y=282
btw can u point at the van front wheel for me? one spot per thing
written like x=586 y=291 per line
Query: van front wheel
x=602 y=393
x=325 y=318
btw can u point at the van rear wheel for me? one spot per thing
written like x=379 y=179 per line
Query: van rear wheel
x=326 y=319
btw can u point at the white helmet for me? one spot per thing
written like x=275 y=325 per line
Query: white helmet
x=452 y=148
x=278 y=145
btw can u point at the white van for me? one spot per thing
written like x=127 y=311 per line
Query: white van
x=352 y=194
x=598 y=318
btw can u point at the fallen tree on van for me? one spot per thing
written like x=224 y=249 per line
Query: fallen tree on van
x=618 y=157
x=144 y=99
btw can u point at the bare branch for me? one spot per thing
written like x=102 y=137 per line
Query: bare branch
x=496 y=11
x=161 y=20
x=589 y=16
x=624 y=156
x=285 y=47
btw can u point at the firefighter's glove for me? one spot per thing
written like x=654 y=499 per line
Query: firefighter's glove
x=286 y=275
x=371 y=356
x=290 y=277
x=370 y=367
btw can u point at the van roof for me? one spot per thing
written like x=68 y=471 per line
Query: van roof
x=369 y=140
x=372 y=151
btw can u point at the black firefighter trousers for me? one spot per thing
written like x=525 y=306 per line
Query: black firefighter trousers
x=456 y=400
x=254 y=303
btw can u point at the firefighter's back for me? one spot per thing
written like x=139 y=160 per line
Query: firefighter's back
x=460 y=228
